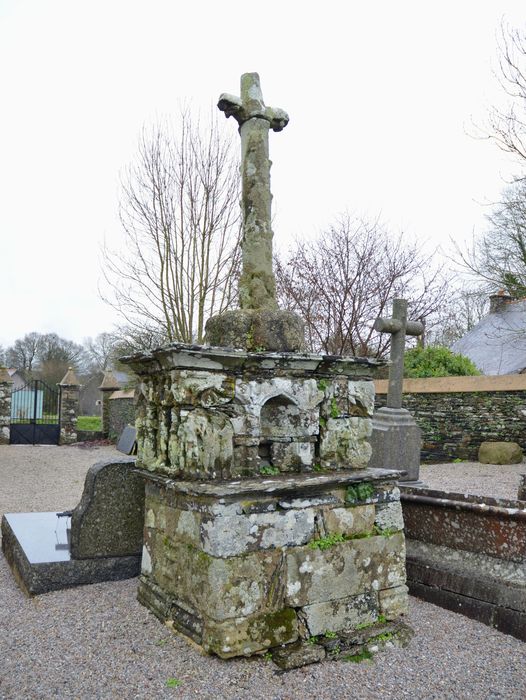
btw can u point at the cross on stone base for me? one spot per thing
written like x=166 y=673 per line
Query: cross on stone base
x=258 y=324
x=396 y=438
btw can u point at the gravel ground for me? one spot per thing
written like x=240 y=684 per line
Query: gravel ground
x=98 y=642
x=497 y=480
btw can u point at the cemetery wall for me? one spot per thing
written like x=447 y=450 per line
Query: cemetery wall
x=456 y=414
x=121 y=412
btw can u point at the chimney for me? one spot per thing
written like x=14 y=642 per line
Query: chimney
x=499 y=301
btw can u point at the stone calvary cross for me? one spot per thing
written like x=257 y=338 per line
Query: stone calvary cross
x=399 y=327
x=396 y=438
x=258 y=324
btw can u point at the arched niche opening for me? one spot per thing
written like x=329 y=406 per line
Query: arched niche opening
x=282 y=443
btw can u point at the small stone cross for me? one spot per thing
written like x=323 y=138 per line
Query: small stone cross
x=399 y=327
x=257 y=285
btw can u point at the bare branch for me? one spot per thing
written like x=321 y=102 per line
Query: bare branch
x=181 y=220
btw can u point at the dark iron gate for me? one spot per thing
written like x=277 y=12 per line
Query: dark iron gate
x=35 y=415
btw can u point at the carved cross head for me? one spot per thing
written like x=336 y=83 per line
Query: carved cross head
x=250 y=105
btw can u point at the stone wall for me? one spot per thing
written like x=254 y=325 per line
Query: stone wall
x=6 y=386
x=121 y=412
x=69 y=406
x=456 y=414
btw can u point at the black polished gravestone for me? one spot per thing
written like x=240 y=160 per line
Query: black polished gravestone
x=128 y=441
x=100 y=540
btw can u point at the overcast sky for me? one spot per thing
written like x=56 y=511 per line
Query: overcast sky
x=381 y=96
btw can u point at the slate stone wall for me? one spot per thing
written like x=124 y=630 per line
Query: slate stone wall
x=454 y=424
x=121 y=412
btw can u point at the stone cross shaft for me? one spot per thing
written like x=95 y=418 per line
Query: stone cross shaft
x=399 y=327
x=257 y=285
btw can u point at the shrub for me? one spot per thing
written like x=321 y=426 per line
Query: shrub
x=436 y=361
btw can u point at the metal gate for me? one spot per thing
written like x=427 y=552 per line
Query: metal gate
x=35 y=415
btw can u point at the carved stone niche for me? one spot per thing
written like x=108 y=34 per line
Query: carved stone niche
x=210 y=413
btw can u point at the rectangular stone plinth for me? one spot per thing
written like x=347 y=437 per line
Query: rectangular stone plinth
x=251 y=565
x=211 y=413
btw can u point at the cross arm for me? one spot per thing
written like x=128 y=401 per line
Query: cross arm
x=414 y=328
x=231 y=106
x=387 y=325
x=393 y=325
x=277 y=117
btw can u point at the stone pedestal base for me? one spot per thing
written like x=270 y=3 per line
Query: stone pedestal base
x=396 y=443
x=272 y=330
x=284 y=564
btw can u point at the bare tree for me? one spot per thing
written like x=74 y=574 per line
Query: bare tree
x=340 y=282
x=45 y=356
x=507 y=126
x=497 y=258
x=23 y=354
x=459 y=315
x=100 y=351
x=181 y=220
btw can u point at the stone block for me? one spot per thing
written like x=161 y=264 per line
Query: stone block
x=500 y=453
x=349 y=521
x=246 y=635
x=109 y=518
x=361 y=395
x=291 y=456
x=224 y=588
x=245 y=461
x=234 y=535
x=393 y=602
x=183 y=525
x=297 y=655
x=310 y=502
x=342 y=614
x=389 y=516
x=352 y=567
x=204 y=444
x=204 y=389
x=344 y=443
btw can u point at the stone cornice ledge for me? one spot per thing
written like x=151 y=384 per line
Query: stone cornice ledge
x=277 y=485
x=206 y=357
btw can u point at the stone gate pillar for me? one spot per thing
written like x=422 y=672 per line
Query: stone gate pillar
x=69 y=407
x=108 y=386
x=6 y=385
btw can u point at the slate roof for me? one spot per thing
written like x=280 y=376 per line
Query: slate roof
x=497 y=344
